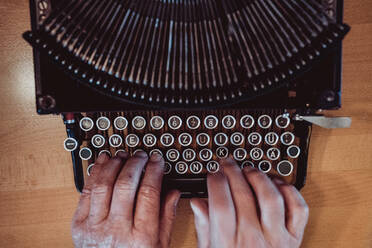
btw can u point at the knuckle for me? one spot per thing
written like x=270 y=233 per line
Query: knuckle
x=124 y=186
x=101 y=188
x=273 y=198
x=301 y=208
x=149 y=191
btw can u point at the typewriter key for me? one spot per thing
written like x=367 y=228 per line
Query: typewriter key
x=115 y=140
x=264 y=166
x=167 y=168
x=172 y=155
x=167 y=140
x=293 y=151
x=70 y=144
x=271 y=138
x=193 y=122
x=222 y=152
x=108 y=153
x=256 y=154
x=175 y=122
x=240 y=154
x=203 y=139
x=273 y=153
x=247 y=164
x=156 y=151
x=181 y=167
x=221 y=139
x=85 y=153
x=120 y=123
x=254 y=139
x=265 y=121
x=86 y=124
x=205 y=155
x=157 y=122
x=139 y=123
x=237 y=139
x=89 y=169
x=282 y=121
x=117 y=152
x=103 y=123
x=247 y=122
x=211 y=122
x=98 y=141
x=229 y=122
x=213 y=167
x=185 y=139
x=285 y=168
x=132 y=140
x=138 y=150
x=189 y=155
x=196 y=167
x=149 y=140
x=287 y=138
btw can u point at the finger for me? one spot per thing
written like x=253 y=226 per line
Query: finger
x=126 y=186
x=201 y=218
x=167 y=216
x=82 y=211
x=269 y=199
x=101 y=193
x=296 y=209
x=222 y=215
x=148 y=200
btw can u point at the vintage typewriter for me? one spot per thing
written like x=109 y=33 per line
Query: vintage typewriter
x=193 y=80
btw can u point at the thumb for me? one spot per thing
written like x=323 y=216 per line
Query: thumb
x=167 y=216
x=201 y=219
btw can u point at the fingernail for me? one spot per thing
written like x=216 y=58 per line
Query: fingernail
x=102 y=158
x=122 y=155
x=278 y=181
x=227 y=161
x=156 y=157
x=141 y=154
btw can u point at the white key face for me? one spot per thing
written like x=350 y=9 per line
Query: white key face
x=240 y=154
x=86 y=124
x=98 y=141
x=185 y=139
x=264 y=166
x=139 y=123
x=254 y=139
x=108 y=153
x=149 y=140
x=293 y=151
x=175 y=122
x=213 y=167
x=196 y=167
x=157 y=122
x=173 y=155
x=85 y=153
x=167 y=168
x=89 y=169
x=256 y=154
x=132 y=140
x=285 y=168
x=247 y=164
x=229 y=122
x=265 y=121
x=211 y=122
x=282 y=121
x=287 y=138
x=189 y=155
x=167 y=140
x=115 y=140
x=237 y=139
x=103 y=123
x=221 y=139
x=156 y=151
x=273 y=153
x=120 y=123
x=193 y=122
x=70 y=144
x=222 y=152
x=271 y=138
x=203 y=139
x=205 y=155
x=181 y=168
x=247 y=122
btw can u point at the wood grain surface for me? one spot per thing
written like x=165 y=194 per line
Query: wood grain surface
x=37 y=196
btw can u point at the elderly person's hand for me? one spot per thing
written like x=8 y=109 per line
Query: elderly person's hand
x=247 y=209
x=117 y=209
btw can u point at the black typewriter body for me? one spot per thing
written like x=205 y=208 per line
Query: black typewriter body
x=316 y=87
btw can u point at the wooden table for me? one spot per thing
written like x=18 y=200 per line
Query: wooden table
x=37 y=196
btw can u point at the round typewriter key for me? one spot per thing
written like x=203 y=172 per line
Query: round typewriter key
x=247 y=164
x=115 y=140
x=167 y=168
x=293 y=151
x=138 y=150
x=211 y=122
x=156 y=151
x=89 y=169
x=188 y=155
x=240 y=154
x=203 y=139
x=247 y=122
x=86 y=124
x=157 y=122
x=167 y=140
x=264 y=166
x=196 y=167
x=273 y=153
x=285 y=168
x=213 y=167
x=181 y=167
x=117 y=152
x=237 y=139
x=265 y=121
x=254 y=139
x=185 y=139
x=256 y=154
x=173 y=155
x=222 y=152
x=103 y=123
x=98 y=141
x=175 y=122
x=85 y=153
x=120 y=123
x=132 y=140
x=282 y=121
x=271 y=138
x=205 y=155
x=70 y=144
x=221 y=139
x=229 y=122
x=149 y=140
x=193 y=122
x=139 y=123
x=287 y=138
x=104 y=151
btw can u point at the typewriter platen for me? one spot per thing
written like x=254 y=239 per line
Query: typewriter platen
x=194 y=80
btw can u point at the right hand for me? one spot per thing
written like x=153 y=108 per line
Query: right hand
x=246 y=209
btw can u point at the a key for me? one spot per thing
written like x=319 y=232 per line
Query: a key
x=221 y=139
x=273 y=153
x=271 y=138
x=203 y=139
x=285 y=168
x=213 y=167
x=237 y=139
x=167 y=168
x=185 y=139
x=265 y=121
x=86 y=124
x=120 y=123
x=254 y=139
x=98 y=141
x=222 y=152
x=211 y=122
x=247 y=164
x=139 y=123
x=70 y=144
x=293 y=151
x=240 y=154
x=196 y=167
x=229 y=122
x=205 y=155
x=85 y=153
x=175 y=122
x=157 y=122
x=103 y=123
x=172 y=155
x=247 y=122
x=167 y=140
x=181 y=167
x=287 y=138
x=189 y=155
x=132 y=140
x=193 y=122
x=256 y=154
x=282 y=121
x=115 y=140
x=264 y=166
x=149 y=140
